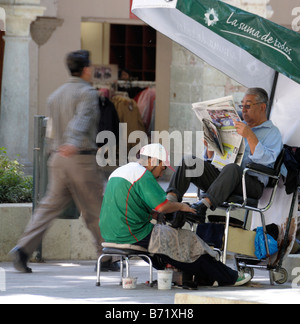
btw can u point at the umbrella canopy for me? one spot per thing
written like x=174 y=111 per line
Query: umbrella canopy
x=246 y=47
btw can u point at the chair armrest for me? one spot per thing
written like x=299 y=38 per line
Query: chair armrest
x=255 y=167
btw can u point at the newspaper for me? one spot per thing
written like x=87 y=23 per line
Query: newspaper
x=218 y=118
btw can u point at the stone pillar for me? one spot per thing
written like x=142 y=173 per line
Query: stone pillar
x=15 y=101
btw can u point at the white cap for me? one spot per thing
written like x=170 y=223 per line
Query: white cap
x=157 y=151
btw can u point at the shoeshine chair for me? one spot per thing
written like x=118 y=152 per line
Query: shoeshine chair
x=278 y=274
x=234 y=202
x=125 y=252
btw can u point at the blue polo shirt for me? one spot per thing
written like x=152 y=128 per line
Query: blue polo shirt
x=267 y=150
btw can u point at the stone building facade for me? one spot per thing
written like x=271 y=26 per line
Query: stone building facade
x=40 y=32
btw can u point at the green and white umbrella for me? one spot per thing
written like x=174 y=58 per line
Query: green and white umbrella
x=248 y=48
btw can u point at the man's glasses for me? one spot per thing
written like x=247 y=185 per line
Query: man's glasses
x=249 y=106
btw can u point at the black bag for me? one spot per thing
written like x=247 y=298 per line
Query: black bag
x=292 y=163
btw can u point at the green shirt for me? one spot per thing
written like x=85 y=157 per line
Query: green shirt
x=131 y=194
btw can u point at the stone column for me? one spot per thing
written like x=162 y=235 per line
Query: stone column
x=15 y=101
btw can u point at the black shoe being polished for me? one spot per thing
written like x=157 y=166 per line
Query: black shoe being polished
x=200 y=217
x=176 y=220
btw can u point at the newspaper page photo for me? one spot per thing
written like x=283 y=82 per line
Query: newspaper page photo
x=218 y=118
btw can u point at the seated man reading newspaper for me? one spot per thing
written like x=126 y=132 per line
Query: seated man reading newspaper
x=133 y=198
x=263 y=144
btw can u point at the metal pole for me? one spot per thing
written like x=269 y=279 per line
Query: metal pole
x=228 y=211
x=38 y=166
x=287 y=231
x=272 y=96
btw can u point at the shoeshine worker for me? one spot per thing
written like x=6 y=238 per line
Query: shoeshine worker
x=131 y=196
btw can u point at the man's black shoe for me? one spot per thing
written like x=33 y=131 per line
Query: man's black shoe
x=109 y=266
x=189 y=285
x=176 y=220
x=20 y=259
x=200 y=217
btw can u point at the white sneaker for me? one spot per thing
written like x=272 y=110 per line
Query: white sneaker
x=243 y=279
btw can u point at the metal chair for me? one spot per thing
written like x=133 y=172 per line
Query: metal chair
x=278 y=275
x=125 y=252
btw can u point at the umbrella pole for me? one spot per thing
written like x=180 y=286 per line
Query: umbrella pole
x=273 y=93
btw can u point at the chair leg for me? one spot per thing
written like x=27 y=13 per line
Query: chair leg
x=226 y=234
x=247 y=212
x=267 y=247
x=98 y=284
x=121 y=270
x=127 y=266
x=151 y=272
x=150 y=268
x=265 y=232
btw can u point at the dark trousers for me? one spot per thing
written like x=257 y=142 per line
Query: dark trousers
x=218 y=185
x=206 y=269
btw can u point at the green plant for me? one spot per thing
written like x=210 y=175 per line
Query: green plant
x=15 y=187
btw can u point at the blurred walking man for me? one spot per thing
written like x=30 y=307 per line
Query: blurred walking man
x=73 y=115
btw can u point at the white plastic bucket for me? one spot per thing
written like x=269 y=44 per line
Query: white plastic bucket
x=129 y=283
x=164 y=280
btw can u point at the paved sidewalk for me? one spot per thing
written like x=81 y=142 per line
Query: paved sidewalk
x=75 y=282
x=64 y=282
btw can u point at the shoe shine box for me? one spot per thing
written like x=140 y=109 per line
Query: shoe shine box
x=241 y=241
